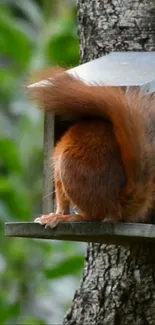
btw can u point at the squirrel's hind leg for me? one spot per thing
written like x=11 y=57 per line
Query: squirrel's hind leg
x=62 y=213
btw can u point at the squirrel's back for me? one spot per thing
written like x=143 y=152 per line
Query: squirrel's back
x=88 y=162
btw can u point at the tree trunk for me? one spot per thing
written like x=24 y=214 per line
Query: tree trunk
x=118 y=285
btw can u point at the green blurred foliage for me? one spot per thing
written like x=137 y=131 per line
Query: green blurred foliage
x=33 y=34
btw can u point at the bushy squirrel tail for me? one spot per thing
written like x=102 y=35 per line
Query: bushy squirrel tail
x=67 y=95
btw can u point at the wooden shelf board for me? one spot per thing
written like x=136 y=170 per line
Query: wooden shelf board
x=97 y=232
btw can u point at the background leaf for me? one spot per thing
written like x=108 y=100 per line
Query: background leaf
x=9 y=155
x=67 y=44
x=68 y=266
x=13 y=43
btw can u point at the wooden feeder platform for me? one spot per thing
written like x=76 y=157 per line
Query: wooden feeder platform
x=95 y=232
x=123 y=69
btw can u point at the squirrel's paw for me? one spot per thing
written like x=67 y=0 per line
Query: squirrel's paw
x=49 y=220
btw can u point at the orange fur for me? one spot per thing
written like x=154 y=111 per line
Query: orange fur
x=104 y=166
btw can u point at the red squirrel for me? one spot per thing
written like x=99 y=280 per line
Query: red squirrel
x=103 y=165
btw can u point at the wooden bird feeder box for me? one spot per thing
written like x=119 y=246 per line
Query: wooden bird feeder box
x=125 y=69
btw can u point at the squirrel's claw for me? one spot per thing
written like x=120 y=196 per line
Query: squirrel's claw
x=49 y=220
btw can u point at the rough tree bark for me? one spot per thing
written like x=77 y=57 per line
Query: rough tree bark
x=118 y=285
